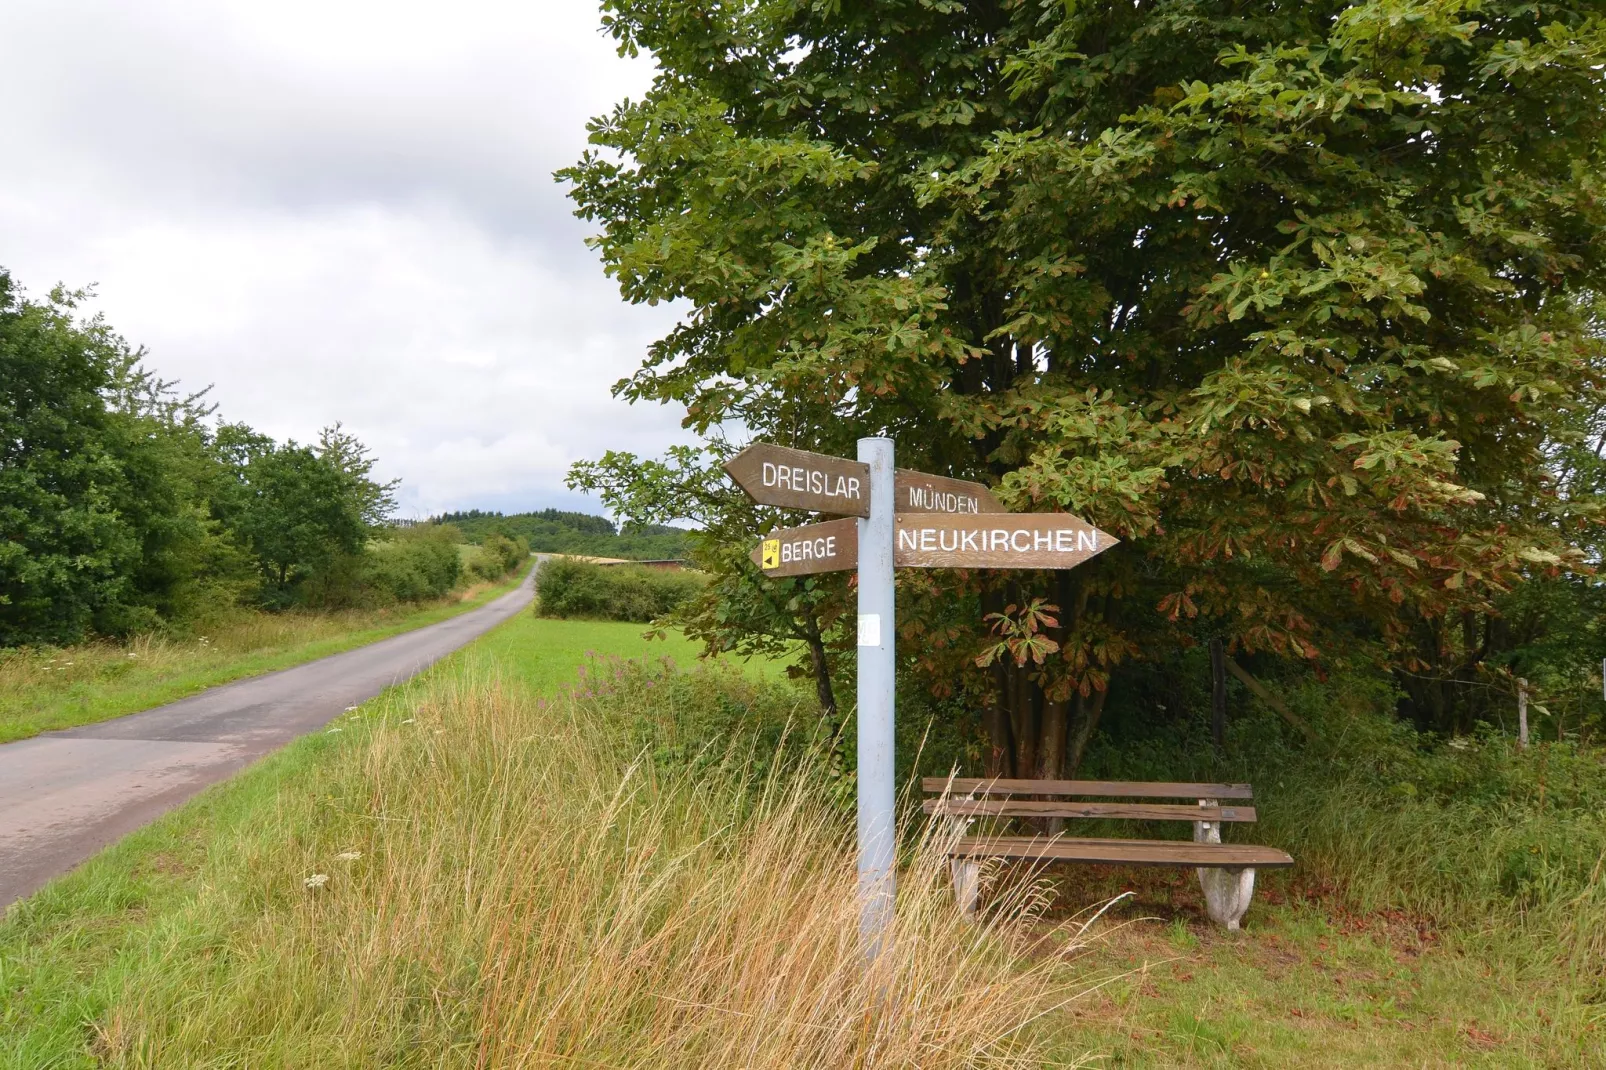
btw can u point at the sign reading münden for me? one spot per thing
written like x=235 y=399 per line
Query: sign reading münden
x=918 y=492
x=829 y=547
x=996 y=540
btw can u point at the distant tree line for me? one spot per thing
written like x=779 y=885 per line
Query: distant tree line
x=557 y=531
x=125 y=507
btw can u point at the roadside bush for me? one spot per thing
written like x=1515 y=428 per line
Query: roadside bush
x=497 y=556
x=1472 y=832
x=413 y=566
x=570 y=588
x=407 y=565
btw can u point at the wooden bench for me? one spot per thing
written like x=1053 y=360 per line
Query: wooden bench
x=1226 y=870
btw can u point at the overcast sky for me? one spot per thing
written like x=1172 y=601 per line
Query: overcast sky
x=339 y=210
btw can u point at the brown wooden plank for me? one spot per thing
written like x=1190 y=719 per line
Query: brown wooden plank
x=952 y=807
x=1124 y=852
x=918 y=492
x=829 y=547
x=996 y=540
x=1122 y=789
x=798 y=479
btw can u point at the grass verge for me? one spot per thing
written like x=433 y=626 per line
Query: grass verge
x=42 y=690
x=482 y=868
x=509 y=862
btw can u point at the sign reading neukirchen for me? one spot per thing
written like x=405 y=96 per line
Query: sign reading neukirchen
x=996 y=540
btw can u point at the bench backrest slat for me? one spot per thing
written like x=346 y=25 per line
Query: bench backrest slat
x=1120 y=789
x=949 y=806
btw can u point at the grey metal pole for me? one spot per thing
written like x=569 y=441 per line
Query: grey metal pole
x=877 y=834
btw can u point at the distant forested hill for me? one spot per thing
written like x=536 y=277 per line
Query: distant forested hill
x=557 y=531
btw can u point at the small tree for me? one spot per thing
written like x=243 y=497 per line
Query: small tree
x=741 y=610
x=299 y=508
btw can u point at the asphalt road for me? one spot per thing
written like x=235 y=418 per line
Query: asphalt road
x=65 y=795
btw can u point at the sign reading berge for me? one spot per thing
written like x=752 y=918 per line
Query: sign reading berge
x=829 y=547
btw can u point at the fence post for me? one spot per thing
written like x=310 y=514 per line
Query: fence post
x=1218 y=692
x=1522 y=713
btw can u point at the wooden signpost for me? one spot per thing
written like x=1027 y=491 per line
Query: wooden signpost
x=920 y=493
x=829 y=547
x=797 y=479
x=896 y=518
x=996 y=540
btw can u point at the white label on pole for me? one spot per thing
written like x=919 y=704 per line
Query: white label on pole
x=869 y=629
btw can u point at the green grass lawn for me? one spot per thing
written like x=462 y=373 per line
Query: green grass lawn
x=1309 y=983
x=41 y=691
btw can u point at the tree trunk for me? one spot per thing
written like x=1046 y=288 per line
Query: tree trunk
x=1088 y=712
x=1025 y=717
x=1051 y=757
x=1000 y=738
x=822 y=677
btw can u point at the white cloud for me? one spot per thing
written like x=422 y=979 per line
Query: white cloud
x=339 y=211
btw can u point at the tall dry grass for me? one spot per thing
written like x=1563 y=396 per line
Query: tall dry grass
x=485 y=878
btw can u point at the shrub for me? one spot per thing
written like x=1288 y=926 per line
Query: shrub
x=408 y=565
x=497 y=556
x=1473 y=832
x=571 y=588
x=412 y=567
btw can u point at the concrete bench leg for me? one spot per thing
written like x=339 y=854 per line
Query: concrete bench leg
x=967 y=884
x=1227 y=891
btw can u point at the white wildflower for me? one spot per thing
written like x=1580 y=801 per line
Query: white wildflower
x=350 y=708
x=332 y=731
x=348 y=856
x=317 y=880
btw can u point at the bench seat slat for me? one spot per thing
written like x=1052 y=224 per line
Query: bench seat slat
x=1123 y=852
x=1128 y=789
x=951 y=807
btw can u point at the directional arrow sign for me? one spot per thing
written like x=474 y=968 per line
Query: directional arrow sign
x=996 y=540
x=797 y=479
x=919 y=493
x=829 y=547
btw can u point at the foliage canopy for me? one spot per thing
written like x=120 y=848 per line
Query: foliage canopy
x=1298 y=300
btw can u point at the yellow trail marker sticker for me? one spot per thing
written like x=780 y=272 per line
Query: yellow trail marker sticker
x=829 y=547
